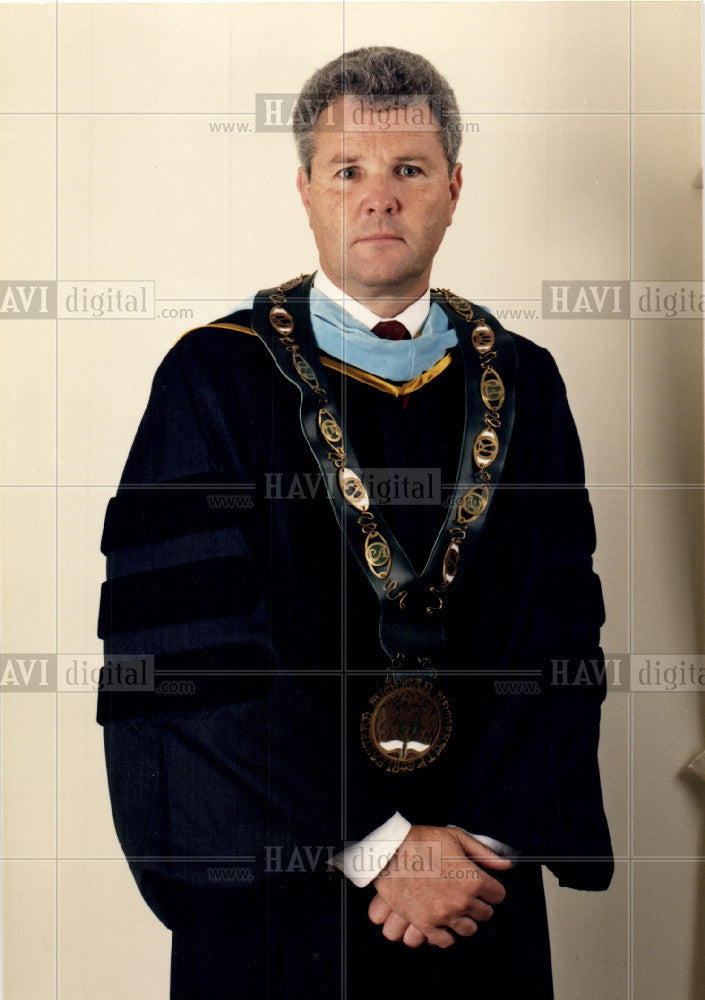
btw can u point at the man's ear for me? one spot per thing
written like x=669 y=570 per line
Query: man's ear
x=455 y=184
x=304 y=188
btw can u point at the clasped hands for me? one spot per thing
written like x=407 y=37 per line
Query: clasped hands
x=435 y=905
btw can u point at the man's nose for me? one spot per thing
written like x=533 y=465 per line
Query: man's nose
x=380 y=198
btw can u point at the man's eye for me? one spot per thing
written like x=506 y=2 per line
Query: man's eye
x=407 y=170
x=347 y=173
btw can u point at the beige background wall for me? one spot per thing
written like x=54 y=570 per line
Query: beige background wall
x=584 y=166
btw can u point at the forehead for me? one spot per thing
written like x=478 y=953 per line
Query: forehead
x=354 y=126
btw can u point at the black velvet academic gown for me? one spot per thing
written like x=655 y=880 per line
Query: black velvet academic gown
x=261 y=608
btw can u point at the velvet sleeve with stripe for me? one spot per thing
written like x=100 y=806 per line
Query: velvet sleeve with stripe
x=180 y=539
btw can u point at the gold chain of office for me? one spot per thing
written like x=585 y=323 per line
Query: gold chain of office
x=378 y=554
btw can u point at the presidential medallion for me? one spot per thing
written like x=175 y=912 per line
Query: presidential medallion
x=408 y=727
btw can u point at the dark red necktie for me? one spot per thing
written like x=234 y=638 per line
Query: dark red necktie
x=391 y=329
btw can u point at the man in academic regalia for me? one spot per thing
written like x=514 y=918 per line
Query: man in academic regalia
x=367 y=731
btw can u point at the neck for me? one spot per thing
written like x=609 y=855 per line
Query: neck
x=386 y=301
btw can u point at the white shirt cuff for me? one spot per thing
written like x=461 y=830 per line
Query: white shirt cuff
x=504 y=850
x=362 y=861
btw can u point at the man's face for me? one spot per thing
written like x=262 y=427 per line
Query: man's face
x=379 y=199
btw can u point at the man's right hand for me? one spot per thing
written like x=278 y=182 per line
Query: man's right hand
x=455 y=896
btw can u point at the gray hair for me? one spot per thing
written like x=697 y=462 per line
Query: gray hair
x=384 y=77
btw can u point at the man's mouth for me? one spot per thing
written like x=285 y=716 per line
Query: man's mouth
x=380 y=238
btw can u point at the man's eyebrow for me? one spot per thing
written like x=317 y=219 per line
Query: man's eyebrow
x=402 y=158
